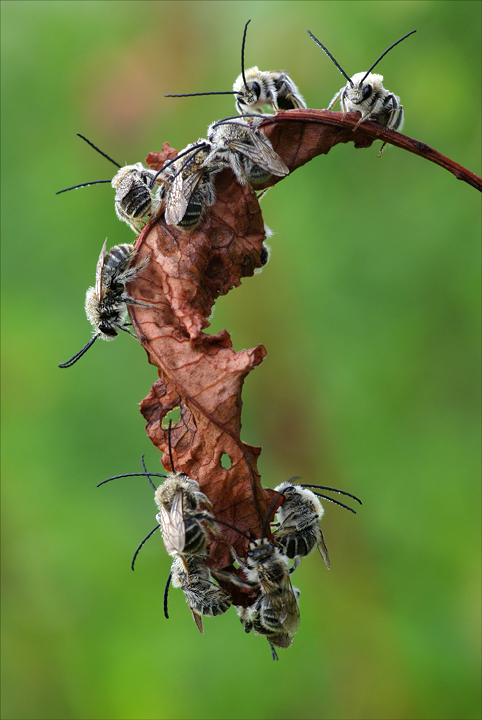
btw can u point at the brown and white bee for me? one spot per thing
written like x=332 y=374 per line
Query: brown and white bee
x=298 y=520
x=245 y=149
x=364 y=92
x=106 y=303
x=135 y=201
x=203 y=596
x=184 y=512
x=261 y=618
x=135 y=198
x=190 y=185
x=253 y=89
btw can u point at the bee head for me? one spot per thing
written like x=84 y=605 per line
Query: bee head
x=260 y=550
x=363 y=86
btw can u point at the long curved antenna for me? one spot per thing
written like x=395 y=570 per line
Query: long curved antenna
x=166 y=594
x=169 y=445
x=242 y=54
x=331 y=56
x=335 y=502
x=74 y=187
x=145 y=470
x=236 y=117
x=221 y=522
x=383 y=54
x=116 y=477
x=222 y=92
x=200 y=146
x=141 y=544
x=100 y=151
x=324 y=487
x=78 y=355
x=270 y=510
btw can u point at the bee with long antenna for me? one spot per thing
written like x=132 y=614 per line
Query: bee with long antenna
x=190 y=185
x=364 y=92
x=298 y=529
x=106 y=302
x=203 y=596
x=261 y=619
x=245 y=149
x=266 y=569
x=253 y=89
x=184 y=512
x=135 y=202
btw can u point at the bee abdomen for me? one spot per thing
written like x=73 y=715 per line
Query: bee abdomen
x=294 y=545
x=137 y=202
x=193 y=212
x=196 y=537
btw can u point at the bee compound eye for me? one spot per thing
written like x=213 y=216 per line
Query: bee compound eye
x=367 y=91
x=255 y=87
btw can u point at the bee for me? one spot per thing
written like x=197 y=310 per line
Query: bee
x=135 y=200
x=106 y=303
x=190 y=186
x=364 y=92
x=182 y=516
x=245 y=149
x=203 y=596
x=261 y=618
x=254 y=89
x=298 y=520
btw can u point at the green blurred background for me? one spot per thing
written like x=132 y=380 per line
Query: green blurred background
x=369 y=310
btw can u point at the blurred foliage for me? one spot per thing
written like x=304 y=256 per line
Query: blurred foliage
x=369 y=310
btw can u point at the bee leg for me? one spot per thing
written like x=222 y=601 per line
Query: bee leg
x=273 y=651
x=296 y=564
x=335 y=99
x=123 y=327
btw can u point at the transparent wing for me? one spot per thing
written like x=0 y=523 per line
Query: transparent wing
x=261 y=154
x=99 y=272
x=172 y=526
x=198 y=619
x=284 y=604
x=176 y=204
x=321 y=545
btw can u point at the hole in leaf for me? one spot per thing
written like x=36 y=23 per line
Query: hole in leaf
x=225 y=461
x=174 y=415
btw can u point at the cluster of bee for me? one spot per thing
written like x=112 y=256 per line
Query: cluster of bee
x=188 y=525
x=184 y=188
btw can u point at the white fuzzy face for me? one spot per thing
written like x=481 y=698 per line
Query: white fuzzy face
x=359 y=96
x=93 y=309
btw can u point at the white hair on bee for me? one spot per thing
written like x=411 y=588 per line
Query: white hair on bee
x=364 y=93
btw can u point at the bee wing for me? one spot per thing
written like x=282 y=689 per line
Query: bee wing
x=321 y=545
x=176 y=204
x=261 y=154
x=198 y=619
x=284 y=604
x=99 y=272
x=172 y=526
